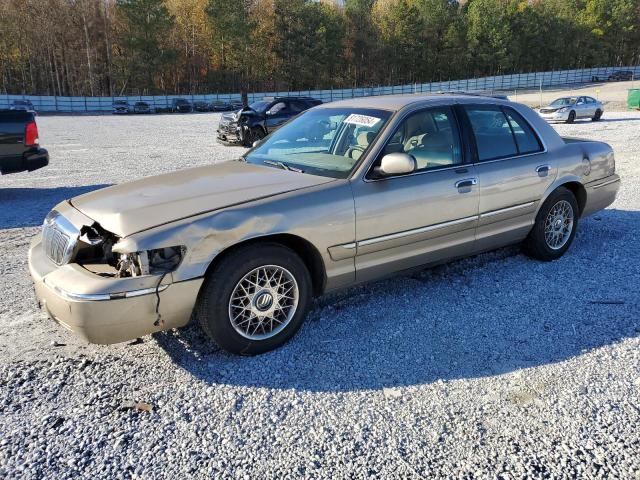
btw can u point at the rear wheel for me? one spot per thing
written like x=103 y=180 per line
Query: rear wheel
x=572 y=117
x=255 y=299
x=555 y=226
x=597 y=116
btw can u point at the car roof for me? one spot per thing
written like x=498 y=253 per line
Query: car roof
x=397 y=102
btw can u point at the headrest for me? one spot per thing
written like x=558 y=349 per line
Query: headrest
x=365 y=138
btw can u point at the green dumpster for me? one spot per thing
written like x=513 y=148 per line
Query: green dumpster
x=633 y=98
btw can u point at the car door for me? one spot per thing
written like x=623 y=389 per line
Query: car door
x=582 y=108
x=407 y=220
x=277 y=115
x=592 y=104
x=513 y=172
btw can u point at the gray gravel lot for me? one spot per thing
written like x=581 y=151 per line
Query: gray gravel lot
x=491 y=367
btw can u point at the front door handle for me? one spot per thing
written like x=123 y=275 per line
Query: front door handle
x=466 y=183
x=543 y=170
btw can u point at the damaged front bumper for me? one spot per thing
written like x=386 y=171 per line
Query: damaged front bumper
x=229 y=133
x=106 y=309
x=554 y=116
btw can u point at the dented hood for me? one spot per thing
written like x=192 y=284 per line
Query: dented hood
x=149 y=202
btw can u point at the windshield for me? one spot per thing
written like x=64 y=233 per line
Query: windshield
x=326 y=141
x=259 y=107
x=561 y=102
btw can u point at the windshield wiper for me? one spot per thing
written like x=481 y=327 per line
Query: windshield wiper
x=283 y=166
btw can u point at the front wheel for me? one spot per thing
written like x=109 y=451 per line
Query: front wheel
x=597 y=116
x=572 y=117
x=255 y=299
x=555 y=226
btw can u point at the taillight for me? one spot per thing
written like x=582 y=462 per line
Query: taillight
x=31 y=134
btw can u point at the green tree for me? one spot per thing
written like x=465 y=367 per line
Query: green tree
x=144 y=52
x=309 y=43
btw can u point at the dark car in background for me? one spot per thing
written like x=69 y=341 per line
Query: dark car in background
x=19 y=145
x=201 y=106
x=220 y=106
x=142 y=107
x=621 y=76
x=120 y=107
x=181 y=105
x=259 y=119
x=24 y=105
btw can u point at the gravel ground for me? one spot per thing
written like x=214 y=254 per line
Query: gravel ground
x=491 y=367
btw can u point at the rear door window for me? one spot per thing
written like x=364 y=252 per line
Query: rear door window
x=297 y=106
x=492 y=132
x=526 y=139
x=501 y=132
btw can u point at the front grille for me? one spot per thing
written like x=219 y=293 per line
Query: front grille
x=547 y=110
x=55 y=243
x=228 y=127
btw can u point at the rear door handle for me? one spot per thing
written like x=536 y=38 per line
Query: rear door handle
x=543 y=170
x=466 y=183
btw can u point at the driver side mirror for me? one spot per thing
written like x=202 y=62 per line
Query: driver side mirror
x=396 y=164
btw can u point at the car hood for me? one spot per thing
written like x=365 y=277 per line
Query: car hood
x=142 y=204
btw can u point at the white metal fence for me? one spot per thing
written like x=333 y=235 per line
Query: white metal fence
x=495 y=83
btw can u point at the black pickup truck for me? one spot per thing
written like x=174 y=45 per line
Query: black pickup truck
x=19 y=147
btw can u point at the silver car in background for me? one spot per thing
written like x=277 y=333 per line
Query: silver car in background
x=569 y=109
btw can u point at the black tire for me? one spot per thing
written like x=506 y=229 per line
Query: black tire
x=250 y=135
x=257 y=133
x=213 y=306
x=536 y=245
x=572 y=117
x=597 y=116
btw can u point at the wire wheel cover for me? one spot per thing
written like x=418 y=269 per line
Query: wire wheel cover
x=263 y=302
x=558 y=225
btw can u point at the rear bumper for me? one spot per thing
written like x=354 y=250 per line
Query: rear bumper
x=601 y=193
x=29 y=161
x=107 y=310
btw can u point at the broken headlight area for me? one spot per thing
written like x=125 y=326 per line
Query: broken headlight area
x=94 y=251
x=151 y=262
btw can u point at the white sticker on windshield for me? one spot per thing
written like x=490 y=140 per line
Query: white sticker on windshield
x=364 y=120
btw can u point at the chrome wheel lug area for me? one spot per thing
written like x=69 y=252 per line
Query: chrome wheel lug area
x=263 y=302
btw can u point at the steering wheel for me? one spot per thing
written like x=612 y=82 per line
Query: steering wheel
x=354 y=148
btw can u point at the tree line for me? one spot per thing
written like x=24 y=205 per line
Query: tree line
x=120 y=47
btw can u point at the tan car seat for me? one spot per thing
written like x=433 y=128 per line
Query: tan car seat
x=362 y=142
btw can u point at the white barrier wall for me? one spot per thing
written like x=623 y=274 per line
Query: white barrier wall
x=496 y=83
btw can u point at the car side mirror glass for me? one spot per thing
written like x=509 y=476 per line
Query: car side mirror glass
x=396 y=164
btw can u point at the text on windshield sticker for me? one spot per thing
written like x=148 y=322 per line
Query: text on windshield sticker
x=364 y=120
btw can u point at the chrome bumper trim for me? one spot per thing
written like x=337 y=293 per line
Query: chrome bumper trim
x=100 y=297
